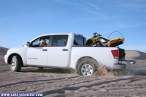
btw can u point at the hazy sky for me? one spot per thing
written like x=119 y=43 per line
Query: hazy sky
x=22 y=20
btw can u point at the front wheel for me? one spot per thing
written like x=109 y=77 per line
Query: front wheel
x=15 y=64
x=86 y=67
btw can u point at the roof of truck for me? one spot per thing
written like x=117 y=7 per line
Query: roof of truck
x=65 y=33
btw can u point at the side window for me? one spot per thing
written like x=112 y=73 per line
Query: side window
x=41 y=42
x=79 y=40
x=59 y=40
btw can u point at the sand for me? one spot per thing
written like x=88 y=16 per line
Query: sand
x=63 y=83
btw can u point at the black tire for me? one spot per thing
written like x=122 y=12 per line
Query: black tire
x=91 y=63
x=15 y=63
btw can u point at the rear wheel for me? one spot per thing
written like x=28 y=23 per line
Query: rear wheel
x=15 y=63
x=86 y=67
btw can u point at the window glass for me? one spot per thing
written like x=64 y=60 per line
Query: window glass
x=79 y=40
x=41 y=42
x=59 y=40
x=35 y=43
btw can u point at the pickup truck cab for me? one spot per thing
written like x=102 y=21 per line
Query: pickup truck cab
x=64 y=50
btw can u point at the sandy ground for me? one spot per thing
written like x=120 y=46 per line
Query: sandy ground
x=62 y=83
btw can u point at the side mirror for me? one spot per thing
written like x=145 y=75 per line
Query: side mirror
x=28 y=44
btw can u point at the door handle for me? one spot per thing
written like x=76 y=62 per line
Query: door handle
x=64 y=49
x=44 y=49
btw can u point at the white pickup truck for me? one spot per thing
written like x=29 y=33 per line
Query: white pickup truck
x=64 y=50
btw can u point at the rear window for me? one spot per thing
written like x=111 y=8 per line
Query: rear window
x=79 y=40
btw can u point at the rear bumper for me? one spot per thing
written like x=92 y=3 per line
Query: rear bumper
x=122 y=64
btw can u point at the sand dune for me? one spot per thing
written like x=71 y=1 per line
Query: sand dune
x=137 y=55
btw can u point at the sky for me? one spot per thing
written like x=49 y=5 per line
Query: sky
x=23 y=20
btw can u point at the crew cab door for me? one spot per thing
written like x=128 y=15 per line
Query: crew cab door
x=37 y=54
x=59 y=51
x=55 y=54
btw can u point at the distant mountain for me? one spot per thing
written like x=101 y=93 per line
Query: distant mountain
x=136 y=55
x=3 y=51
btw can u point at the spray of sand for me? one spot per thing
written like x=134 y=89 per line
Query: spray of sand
x=103 y=72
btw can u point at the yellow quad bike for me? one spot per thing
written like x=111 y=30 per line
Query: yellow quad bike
x=98 y=41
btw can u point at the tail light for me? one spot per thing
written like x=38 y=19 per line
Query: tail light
x=115 y=53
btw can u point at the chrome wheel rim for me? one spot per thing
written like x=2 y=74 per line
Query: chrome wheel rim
x=87 y=70
x=13 y=63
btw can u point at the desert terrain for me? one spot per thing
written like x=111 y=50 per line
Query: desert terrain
x=65 y=83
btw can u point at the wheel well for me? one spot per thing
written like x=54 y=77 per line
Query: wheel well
x=14 y=54
x=86 y=57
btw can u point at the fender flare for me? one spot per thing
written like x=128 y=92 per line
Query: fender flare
x=14 y=54
x=86 y=57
